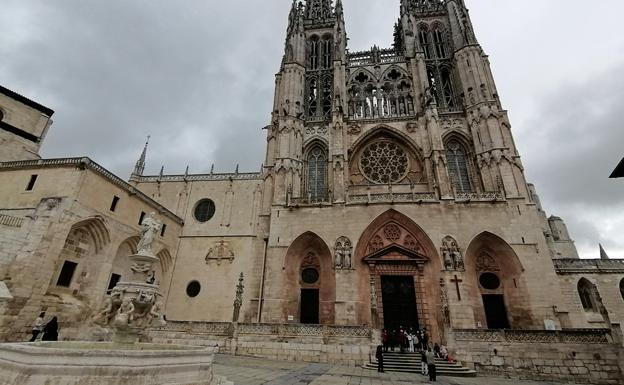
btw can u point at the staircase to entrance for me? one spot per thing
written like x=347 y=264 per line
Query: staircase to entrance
x=410 y=363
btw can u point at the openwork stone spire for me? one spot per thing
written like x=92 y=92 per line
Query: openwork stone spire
x=318 y=11
x=139 y=167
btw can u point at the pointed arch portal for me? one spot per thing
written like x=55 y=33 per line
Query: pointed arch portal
x=404 y=271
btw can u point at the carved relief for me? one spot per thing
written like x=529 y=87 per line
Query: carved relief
x=451 y=255
x=310 y=260
x=343 y=253
x=220 y=251
x=485 y=262
x=392 y=232
x=375 y=244
x=354 y=129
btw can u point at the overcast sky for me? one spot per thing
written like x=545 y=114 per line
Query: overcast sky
x=198 y=76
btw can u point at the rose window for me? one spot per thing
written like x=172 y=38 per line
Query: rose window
x=384 y=162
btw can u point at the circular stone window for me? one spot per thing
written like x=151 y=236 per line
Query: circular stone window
x=489 y=281
x=193 y=289
x=204 y=210
x=384 y=161
x=310 y=276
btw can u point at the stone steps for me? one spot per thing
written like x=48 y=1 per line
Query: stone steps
x=410 y=363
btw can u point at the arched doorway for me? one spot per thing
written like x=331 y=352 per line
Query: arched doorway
x=495 y=282
x=402 y=287
x=310 y=284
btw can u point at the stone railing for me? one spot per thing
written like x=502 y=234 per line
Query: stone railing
x=283 y=330
x=414 y=197
x=10 y=221
x=375 y=56
x=575 y=266
x=198 y=177
x=487 y=196
x=87 y=163
x=570 y=336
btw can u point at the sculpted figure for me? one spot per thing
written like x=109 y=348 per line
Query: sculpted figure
x=105 y=314
x=156 y=317
x=125 y=314
x=150 y=228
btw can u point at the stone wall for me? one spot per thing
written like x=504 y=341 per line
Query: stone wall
x=349 y=346
x=580 y=356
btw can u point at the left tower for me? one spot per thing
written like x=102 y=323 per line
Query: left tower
x=23 y=126
x=307 y=90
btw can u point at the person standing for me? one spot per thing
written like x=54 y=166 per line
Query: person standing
x=410 y=340
x=50 y=330
x=431 y=366
x=385 y=340
x=37 y=326
x=423 y=362
x=379 y=356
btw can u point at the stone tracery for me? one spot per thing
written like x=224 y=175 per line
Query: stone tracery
x=384 y=161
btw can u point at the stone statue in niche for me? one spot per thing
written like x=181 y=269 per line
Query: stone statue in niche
x=150 y=227
x=343 y=253
x=451 y=255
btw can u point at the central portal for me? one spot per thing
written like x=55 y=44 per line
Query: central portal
x=399 y=302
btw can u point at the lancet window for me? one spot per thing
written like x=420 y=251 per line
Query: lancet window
x=435 y=46
x=319 y=78
x=457 y=163
x=316 y=170
x=587 y=293
x=388 y=98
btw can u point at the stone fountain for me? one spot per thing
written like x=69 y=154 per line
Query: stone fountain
x=128 y=311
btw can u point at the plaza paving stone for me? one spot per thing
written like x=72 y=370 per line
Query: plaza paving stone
x=257 y=371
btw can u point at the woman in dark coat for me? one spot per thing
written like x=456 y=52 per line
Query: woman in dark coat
x=50 y=331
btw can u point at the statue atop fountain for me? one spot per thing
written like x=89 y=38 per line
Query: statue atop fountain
x=133 y=305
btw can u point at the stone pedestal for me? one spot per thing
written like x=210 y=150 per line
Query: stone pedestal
x=89 y=363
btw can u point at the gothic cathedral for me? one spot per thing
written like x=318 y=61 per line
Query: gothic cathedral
x=392 y=195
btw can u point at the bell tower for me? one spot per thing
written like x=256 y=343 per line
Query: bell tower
x=307 y=99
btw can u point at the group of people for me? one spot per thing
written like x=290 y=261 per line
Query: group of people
x=407 y=341
x=412 y=341
x=49 y=329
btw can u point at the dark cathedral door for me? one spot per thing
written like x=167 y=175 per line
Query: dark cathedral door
x=309 y=306
x=399 y=302
x=495 y=311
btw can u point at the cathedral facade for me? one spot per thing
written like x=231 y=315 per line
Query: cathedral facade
x=392 y=195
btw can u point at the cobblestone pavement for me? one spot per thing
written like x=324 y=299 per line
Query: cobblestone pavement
x=256 y=371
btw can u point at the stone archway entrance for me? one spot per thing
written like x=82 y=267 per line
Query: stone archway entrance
x=404 y=274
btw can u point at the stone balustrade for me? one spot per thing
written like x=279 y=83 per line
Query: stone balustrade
x=570 y=336
x=487 y=196
x=8 y=220
x=575 y=266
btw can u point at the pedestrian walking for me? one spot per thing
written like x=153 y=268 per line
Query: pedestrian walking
x=431 y=365
x=37 y=326
x=379 y=356
x=50 y=330
x=423 y=362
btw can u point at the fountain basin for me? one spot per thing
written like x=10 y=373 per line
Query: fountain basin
x=105 y=363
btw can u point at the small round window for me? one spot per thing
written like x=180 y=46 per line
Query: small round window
x=193 y=289
x=309 y=276
x=489 y=281
x=204 y=210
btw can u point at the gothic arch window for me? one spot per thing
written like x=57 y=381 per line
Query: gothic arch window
x=316 y=172
x=587 y=293
x=425 y=42
x=327 y=49
x=313 y=53
x=447 y=87
x=622 y=288
x=439 y=43
x=457 y=163
x=390 y=96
